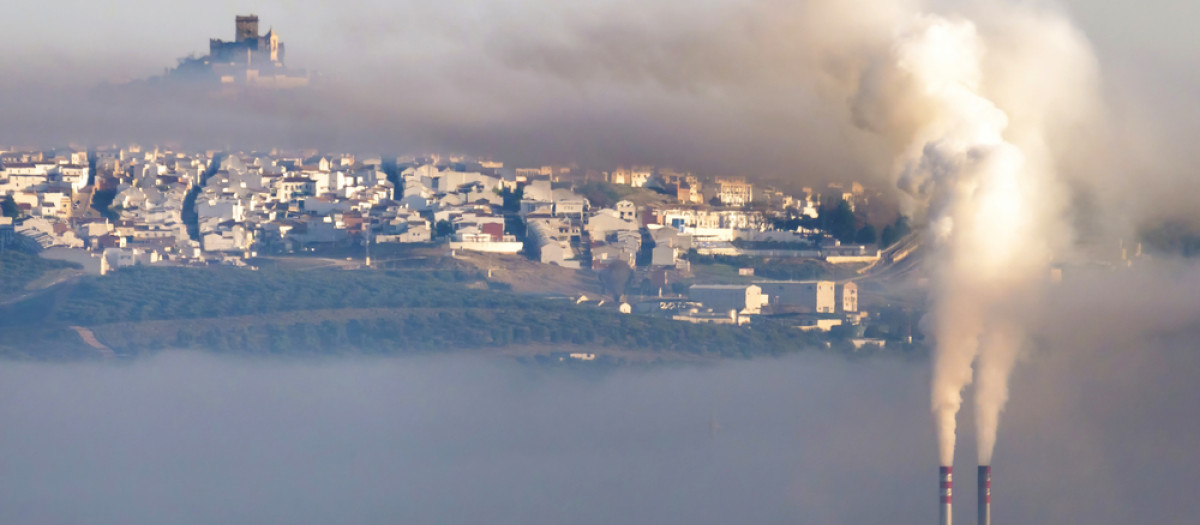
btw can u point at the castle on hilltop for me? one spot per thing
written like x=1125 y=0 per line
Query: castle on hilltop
x=248 y=47
x=250 y=60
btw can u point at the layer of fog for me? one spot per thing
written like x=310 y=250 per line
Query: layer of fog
x=1098 y=433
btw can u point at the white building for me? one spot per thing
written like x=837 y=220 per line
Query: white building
x=19 y=180
x=73 y=175
x=849 y=297
x=636 y=177
x=607 y=221
x=552 y=237
x=626 y=211
x=734 y=192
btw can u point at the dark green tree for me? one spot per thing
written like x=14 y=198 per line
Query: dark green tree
x=895 y=231
x=866 y=235
x=392 y=170
x=841 y=223
x=615 y=278
x=599 y=194
x=512 y=198
x=9 y=207
x=444 y=228
x=101 y=200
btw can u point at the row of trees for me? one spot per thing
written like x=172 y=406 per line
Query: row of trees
x=285 y=311
x=432 y=331
x=163 y=293
x=842 y=224
x=783 y=268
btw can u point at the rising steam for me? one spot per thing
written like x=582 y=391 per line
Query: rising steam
x=972 y=124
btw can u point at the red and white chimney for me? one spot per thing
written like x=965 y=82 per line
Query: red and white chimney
x=946 y=496
x=985 y=495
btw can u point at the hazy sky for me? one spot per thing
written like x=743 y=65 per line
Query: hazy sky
x=721 y=86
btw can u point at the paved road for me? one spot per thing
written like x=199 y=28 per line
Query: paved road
x=83 y=203
x=894 y=279
x=898 y=260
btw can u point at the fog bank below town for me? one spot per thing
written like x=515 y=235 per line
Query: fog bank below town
x=193 y=438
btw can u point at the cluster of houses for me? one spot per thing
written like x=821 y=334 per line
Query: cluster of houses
x=175 y=207
x=41 y=184
x=282 y=203
x=171 y=207
x=41 y=192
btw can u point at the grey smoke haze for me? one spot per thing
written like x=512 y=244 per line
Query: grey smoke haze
x=719 y=86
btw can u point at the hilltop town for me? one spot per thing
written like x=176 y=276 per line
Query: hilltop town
x=649 y=241
x=642 y=240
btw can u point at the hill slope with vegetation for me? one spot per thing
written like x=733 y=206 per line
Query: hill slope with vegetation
x=146 y=309
x=18 y=270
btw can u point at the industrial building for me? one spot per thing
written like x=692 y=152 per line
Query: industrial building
x=741 y=298
x=802 y=296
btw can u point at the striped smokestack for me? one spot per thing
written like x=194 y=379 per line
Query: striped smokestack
x=985 y=495
x=946 y=495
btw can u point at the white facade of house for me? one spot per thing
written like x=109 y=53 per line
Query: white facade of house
x=626 y=211
x=484 y=243
x=75 y=176
x=607 y=221
x=552 y=242
x=734 y=192
x=17 y=182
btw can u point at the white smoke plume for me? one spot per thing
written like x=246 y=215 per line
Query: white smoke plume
x=973 y=112
x=998 y=353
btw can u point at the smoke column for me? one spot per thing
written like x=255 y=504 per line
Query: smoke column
x=985 y=238
x=972 y=126
x=996 y=359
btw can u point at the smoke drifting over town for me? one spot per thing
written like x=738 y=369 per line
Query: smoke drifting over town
x=749 y=87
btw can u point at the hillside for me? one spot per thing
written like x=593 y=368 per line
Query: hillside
x=22 y=272
x=144 y=310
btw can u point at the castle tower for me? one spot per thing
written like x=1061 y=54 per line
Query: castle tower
x=246 y=28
